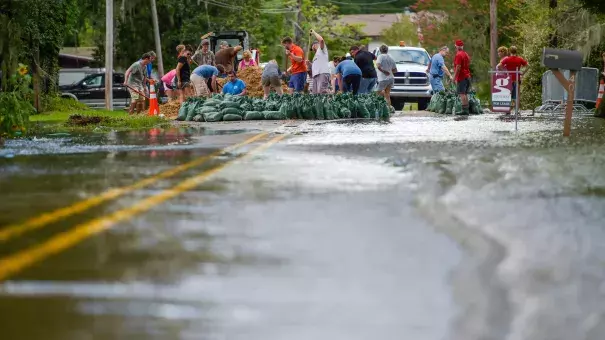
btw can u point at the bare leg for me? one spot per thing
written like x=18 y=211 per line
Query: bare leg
x=181 y=95
x=133 y=106
x=279 y=91
x=387 y=94
x=266 y=90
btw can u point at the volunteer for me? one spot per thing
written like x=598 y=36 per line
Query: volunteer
x=462 y=75
x=226 y=56
x=234 y=86
x=298 y=70
x=513 y=63
x=365 y=61
x=349 y=75
x=271 y=79
x=321 y=65
x=502 y=52
x=437 y=69
x=203 y=79
x=183 y=74
x=167 y=81
x=134 y=80
x=386 y=73
x=247 y=61
x=203 y=56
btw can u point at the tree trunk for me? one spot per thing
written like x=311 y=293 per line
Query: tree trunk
x=493 y=16
x=156 y=34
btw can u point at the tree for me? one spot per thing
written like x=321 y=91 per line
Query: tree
x=401 y=30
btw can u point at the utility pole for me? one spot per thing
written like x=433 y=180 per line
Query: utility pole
x=493 y=18
x=109 y=55
x=156 y=33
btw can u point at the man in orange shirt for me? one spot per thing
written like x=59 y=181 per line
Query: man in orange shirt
x=298 y=70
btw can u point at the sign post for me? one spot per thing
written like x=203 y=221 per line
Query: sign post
x=502 y=92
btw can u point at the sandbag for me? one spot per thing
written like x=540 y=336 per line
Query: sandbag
x=231 y=117
x=192 y=111
x=212 y=102
x=457 y=107
x=183 y=111
x=232 y=111
x=449 y=108
x=228 y=104
x=213 y=117
x=474 y=105
x=345 y=113
x=274 y=115
x=198 y=118
x=207 y=109
x=362 y=110
x=246 y=107
x=254 y=115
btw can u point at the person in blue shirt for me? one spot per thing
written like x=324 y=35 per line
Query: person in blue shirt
x=204 y=79
x=234 y=86
x=348 y=74
x=437 y=68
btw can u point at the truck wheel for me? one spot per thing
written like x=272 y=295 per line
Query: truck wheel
x=398 y=104
x=422 y=104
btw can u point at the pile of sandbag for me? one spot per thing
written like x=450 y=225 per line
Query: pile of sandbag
x=297 y=106
x=251 y=76
x=448 y=102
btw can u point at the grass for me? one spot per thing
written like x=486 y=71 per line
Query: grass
x=59 y=121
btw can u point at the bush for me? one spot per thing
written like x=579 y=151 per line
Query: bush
x=54 y=102
x=15 y=104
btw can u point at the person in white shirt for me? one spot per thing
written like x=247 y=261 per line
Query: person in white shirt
x=386 y=70
x=321 y=66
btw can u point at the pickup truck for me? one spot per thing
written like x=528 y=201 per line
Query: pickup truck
x=91 y=91
x=411 y=80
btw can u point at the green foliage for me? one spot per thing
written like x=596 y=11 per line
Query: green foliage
x=54 y=102
x=402 y=30
x=15 y=106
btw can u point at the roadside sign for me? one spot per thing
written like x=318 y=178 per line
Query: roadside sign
x=502 y=87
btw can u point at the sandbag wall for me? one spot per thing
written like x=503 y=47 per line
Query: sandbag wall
x=448 y=102
x=298 y=106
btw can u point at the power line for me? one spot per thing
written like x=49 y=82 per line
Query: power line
x=362 y=4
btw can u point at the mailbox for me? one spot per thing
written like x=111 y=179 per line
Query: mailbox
x=562 y=59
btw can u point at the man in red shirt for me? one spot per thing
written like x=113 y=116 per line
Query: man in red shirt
x=298 y=70
x=512 y=63
x=462 y=75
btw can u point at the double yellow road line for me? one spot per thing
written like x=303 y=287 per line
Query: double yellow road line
x=17 y=262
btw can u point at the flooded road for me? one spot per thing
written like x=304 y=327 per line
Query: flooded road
x=424 y=228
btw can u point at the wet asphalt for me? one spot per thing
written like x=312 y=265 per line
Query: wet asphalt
x=422 y=228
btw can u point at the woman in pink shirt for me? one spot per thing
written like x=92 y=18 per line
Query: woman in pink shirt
x=167 y=80
x=247 y=61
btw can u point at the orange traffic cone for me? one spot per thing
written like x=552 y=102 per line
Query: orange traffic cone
x=154 y=107
x=601 y=90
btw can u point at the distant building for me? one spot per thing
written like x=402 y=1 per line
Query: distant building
x=373 y=25
x=76 y=57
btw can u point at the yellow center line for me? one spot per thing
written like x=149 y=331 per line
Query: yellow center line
x=15 y=263
x=40 y=221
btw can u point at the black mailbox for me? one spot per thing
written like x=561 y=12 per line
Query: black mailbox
x=562 y=59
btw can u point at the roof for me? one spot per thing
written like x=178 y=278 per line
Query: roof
x=81 y=52
x=374 y=23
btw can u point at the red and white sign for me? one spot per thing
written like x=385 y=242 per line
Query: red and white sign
x=502 y=86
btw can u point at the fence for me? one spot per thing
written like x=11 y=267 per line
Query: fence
x=587 y=87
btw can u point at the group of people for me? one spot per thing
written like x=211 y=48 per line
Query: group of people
x=354 y=73
x=178 y=81
x=509 y=61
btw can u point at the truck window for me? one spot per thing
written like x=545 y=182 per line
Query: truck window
x=93 y=81
x=409 y=56
x=118 y=79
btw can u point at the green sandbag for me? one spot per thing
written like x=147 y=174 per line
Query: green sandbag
x=254 y=115
x=246 y=107
x=307 y=111
x=231 y=117
x=198 y=118
x=183 y=111
x=232 y=111
x=212 y=102
x=274 y=115
x=329 y=111
x=362 y=110
x=319 y=110
x=432 y=103
x=345 y=113
x=449 y=108
x=474 y=105
x=457 y=107
x=228 y=104
x=192 y=111
x=213 y=116
x=442 y=104
x=207 y=109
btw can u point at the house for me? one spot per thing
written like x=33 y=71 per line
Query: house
x=76 y=57
x=373 y=25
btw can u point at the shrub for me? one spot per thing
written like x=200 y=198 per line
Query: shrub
x=15 y=104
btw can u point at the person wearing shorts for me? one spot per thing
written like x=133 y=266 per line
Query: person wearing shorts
x=270 y=79
x=183 y=74
x=462 y=75
x=135 y=82
x=321 y=66
x=513 y=63
x=349 y=76
x=386 y=73
x=167 y=81
x=298 y=70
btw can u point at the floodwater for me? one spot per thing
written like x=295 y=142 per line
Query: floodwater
x=424 y=228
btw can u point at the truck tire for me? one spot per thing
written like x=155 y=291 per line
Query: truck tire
x=423 y=104
x=69 y=95
x=398 y=104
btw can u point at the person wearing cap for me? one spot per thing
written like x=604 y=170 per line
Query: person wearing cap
x=462 y=75
x=203 y=56
x=437 y=69
x=298 y=70
x=365 y=61
x=134 y=80
x=321 y=65
x=226 y=56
